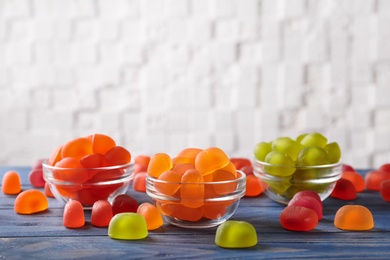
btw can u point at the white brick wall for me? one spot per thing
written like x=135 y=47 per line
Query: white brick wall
x=163 y=75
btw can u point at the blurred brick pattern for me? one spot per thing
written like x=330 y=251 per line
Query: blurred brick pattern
x=163 y=75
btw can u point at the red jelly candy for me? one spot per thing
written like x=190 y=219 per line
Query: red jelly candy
x=385 y=190
x=35 y=178
x=356 y=179
x=124 y=203
x=101 y=213
x=73 y=214
x=344 y=190
x=347 y=168
x=373 y=179
x=240 y=162
x=307 y=202
x=309 y=193
x=384 y=168
x=118 y=156
x=139 y=182
x=298 y=218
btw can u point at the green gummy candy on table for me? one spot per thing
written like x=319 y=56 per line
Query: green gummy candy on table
x=128 y=226
x=236 y=234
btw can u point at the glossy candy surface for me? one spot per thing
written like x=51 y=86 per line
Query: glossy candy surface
x=11 y=183
x=356 y=179
x=124 y=203
x=101 y=213
x=151 y=214
x=298 y=218
x=73 y=214
x=307 y=202
x=253 y=186
x=385 y=190
x=354 y=217
x=236 y=234
x=344 y=190
x=30 y=202
x=128 y=226
x=374 y=178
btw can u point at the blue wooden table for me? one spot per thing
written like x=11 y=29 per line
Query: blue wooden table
x=43 y=236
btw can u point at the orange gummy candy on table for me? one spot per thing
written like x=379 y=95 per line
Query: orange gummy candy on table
x=159 y=163
x=73 y=214
x=151 y=214
x=77 y=148
x=74 y=171
x=30 y=202
x=102 y=143
x=211 y=159
x=170 y=182
x=11 y=183
x=373 y=179
x=253 y=186
x=354 y=217
x=101 y=213
x=192 y=189
x=356 y=179
x=187 y=155
x=118 y=155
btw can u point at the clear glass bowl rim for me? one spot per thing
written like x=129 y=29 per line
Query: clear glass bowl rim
x=332 y=165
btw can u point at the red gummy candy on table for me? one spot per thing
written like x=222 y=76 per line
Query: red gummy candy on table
x=298 y=218
x=347 y=168
x=384 y=168
x=118 y=155
x=253 y=186
x=124 y=203
x=73 y=214
x=373 y=179
x=37 y=164
x=307 y=202
x=344 y=190
x=35 y=178
x=385 y=190
x=139 y=182
x=240 y=162
x=356 y=179
x=309 y=193
x=101 y=213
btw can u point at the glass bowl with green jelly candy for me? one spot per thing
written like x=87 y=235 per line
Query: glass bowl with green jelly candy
x=287 y=165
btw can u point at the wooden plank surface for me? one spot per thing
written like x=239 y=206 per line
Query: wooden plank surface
x=43 y=236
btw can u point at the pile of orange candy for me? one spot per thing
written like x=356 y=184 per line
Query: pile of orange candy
x=77 y=161
x=190 y=179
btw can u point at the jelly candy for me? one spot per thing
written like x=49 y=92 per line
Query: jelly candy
x=211 y=159
x=168 y=182
x=309 y=193
x=128 y=226
x=181 y=212
x=222 y=185
x=101 y=213
x=159 y=163
x=298 y=218
x=307 y=202
x=77 y=148
x=55 y=156
x=354 y=217
x=385 y=190
x=95 y=160
x=124 y=203
x=187 y=155
x=102 y=143
x=181 y=168
x=71 y=171
x=141 y=163
x=118 y=156
x=373 y=179
x=11 y=183
x=30 y=202
x=192 y=189
x=384 y=168
x=356 y=179
x=347 y=168
x=139 y=182
x=344 y=190
x=236 y=234
x=35 y=178
x=240 y=162
x=214 y=210
x=47 y=191
x=248 y=170
x=151 y=214
x=253 y=186
x=73 y=214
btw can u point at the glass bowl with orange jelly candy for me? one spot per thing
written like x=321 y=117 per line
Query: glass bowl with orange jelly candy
x=88 y=169
x=197 y=188
x=286 y=166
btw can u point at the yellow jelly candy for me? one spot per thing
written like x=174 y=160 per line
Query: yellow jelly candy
x=128 y=226
x=236 y=234
x=354 y=217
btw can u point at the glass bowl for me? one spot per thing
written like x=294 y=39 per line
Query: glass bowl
x=218 y=203
x=103 y=183
x=320 y=178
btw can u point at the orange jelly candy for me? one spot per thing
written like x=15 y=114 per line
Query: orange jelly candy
x=139 y=182
x=211 y=159
x=30 y=202
x=181 y=212
x=214 y=210
x=170 y=182
x=102 y=143
x=356 y=179
x=253 y=186
x=55 y=156
x=159 y=163
x=47 y=191
x=192 y=189
x=74 y=171
x=118 y=156
x=151 y=214
x=11 y=184
x=77 y=148
x=187 y=155
x=73 y=214
x=354 y=217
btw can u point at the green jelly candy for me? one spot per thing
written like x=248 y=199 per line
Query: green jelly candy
x=236 y=234
x=127 y=226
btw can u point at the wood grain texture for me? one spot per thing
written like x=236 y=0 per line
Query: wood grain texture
x=42 y=236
